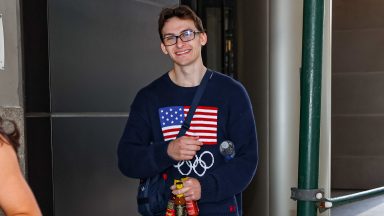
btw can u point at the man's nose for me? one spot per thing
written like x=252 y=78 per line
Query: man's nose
x=179 y=42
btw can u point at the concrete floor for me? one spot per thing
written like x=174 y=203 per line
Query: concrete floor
x=373 y=206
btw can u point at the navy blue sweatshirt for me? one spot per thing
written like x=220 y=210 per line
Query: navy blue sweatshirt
x=224 y=113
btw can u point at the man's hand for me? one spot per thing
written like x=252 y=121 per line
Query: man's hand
x=184 y=148
x=191 y=189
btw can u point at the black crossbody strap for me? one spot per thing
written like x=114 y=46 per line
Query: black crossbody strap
x=199 y=92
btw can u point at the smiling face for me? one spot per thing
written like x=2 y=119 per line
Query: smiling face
x=183 y=53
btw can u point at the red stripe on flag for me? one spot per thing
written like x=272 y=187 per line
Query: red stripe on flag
x=203 y=125
x=202 y=113
x=203 y=107
x=202 y=131
x=171 y=130
x=209 y=143
x=170 y=137
x=204 y=119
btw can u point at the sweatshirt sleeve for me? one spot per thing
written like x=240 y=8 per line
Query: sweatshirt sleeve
x=235 y=175
x=138 y=155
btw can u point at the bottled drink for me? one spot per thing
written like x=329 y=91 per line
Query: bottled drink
x=171 y=207
x=227 y=149
x=191 y=206
x=180 y=200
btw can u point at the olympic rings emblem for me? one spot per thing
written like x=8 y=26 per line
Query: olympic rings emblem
x=198 y=162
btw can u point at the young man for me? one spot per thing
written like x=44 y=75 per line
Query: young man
x=149 y=146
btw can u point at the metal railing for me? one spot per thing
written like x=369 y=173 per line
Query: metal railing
x=328 y=203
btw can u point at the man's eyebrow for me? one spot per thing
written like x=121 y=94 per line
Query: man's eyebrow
x=172 y=34
x=168 y=34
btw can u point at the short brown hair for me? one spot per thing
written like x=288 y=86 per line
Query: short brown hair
x=9 y=133
x=182 y=12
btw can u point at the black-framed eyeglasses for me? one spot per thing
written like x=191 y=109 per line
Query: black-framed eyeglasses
x=185 y=36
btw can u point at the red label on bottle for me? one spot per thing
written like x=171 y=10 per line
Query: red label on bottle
x=192 y=208
x=170 y=212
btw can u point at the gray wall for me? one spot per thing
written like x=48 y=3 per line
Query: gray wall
x=11 y=76
x=101 y=53
x=357 y=98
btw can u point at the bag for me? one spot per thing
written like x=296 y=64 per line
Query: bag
x=153 y=194
x=152 y=197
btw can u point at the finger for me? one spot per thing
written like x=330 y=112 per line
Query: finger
x=187 y=183
x=188 y=198
x=186 y=157
x=185 y=179
x=181 y=191
x=200 y=143
x=189 y=137
x=188 y=193
x=192 y=137
x=188 y=153
x=192 y=142
x=192 y=147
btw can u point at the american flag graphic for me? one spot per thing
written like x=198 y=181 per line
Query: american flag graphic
x=203 y=124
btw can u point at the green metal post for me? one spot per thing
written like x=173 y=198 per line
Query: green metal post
x=310 y=102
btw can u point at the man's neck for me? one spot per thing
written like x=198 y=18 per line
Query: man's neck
x=187 y=76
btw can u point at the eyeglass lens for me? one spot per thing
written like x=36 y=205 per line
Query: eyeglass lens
x=185 y=36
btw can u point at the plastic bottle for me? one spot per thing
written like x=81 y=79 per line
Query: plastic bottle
x=191 y=205
x=180 y=200
x=192 y=209
x=171 y=207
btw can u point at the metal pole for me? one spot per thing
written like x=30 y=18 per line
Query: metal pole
x=310 y=106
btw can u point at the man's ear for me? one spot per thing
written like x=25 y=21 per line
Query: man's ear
x=163 y=49
x=203 y=38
